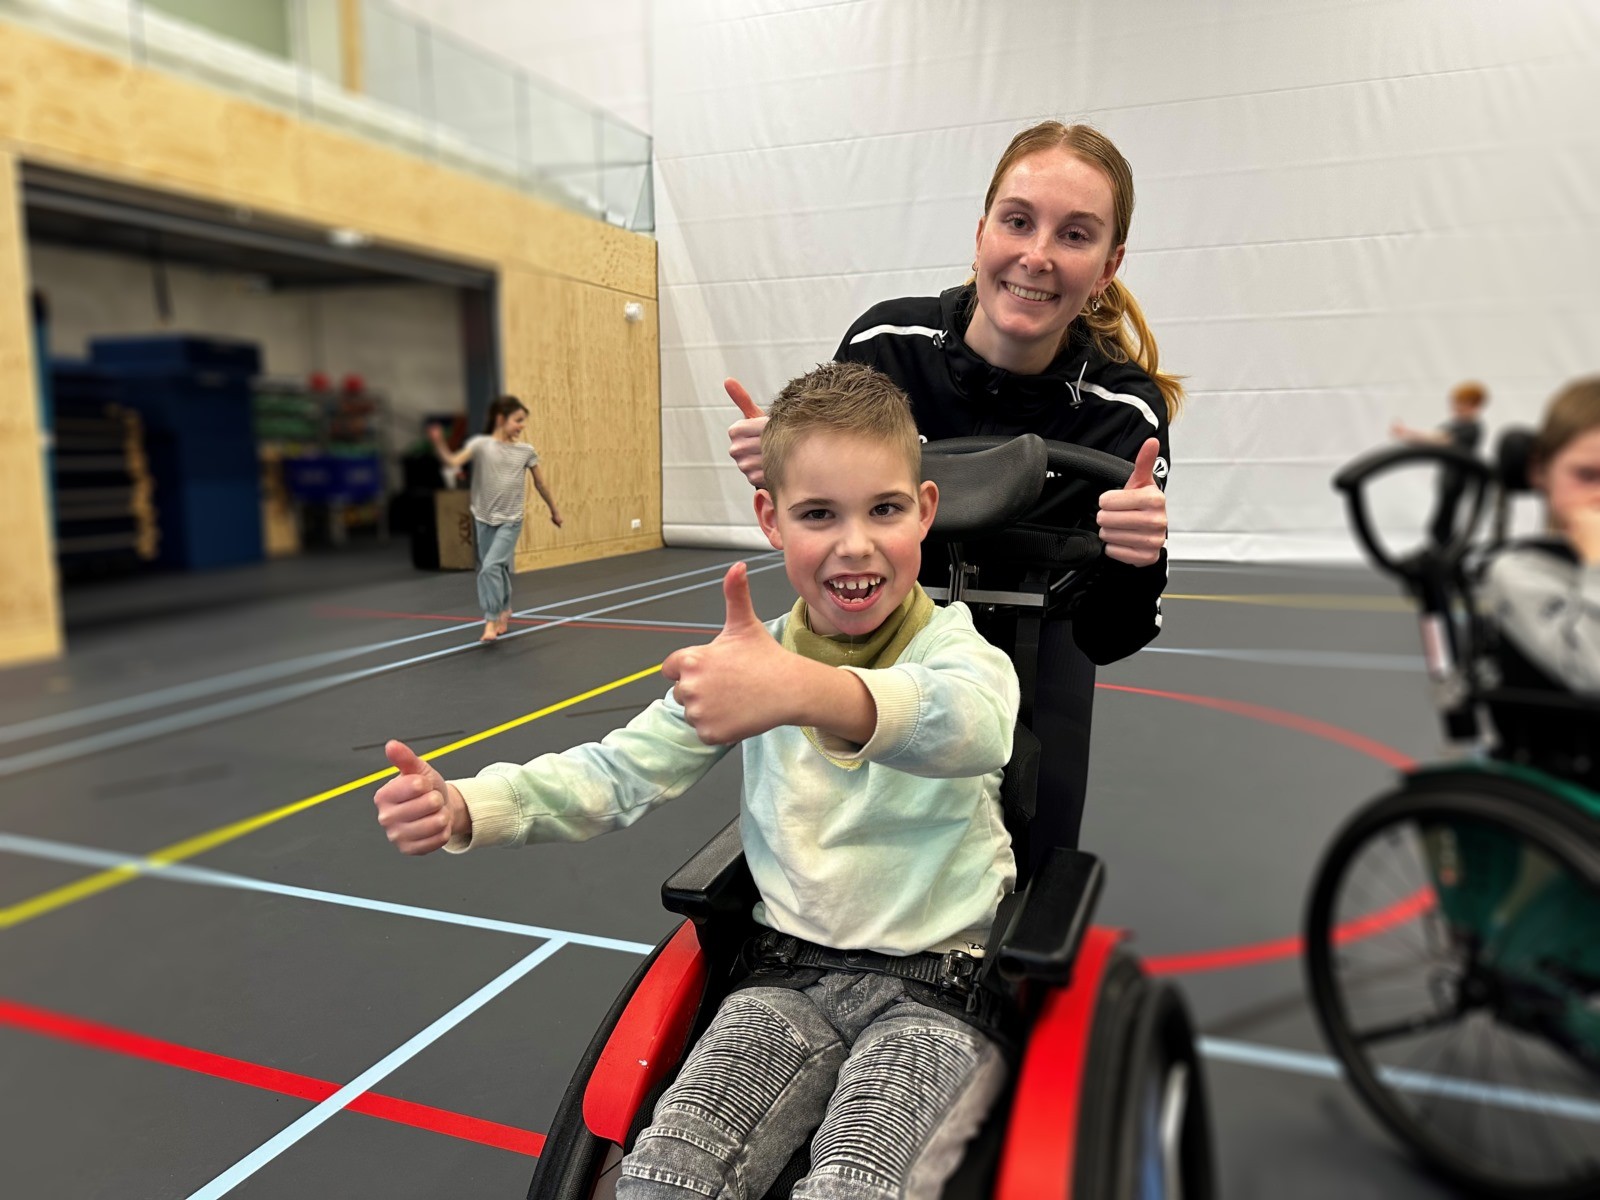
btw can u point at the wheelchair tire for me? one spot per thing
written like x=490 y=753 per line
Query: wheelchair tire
x=1447 y=951
x=1144 y=1129
x=572 y=1156
x=1164 y=1150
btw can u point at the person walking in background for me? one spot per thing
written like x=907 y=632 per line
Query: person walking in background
x=1464 y=430
x=502 y=459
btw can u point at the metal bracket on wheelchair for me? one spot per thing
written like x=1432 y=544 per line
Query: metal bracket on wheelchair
x=1049 y=925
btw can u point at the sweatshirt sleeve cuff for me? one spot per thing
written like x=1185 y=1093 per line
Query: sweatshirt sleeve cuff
x=496 y=819
x=899 y=705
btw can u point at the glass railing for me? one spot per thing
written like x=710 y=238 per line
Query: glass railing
x=415 y=88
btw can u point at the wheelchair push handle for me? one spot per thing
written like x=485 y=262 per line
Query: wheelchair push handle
x=1354 y=478
x=1106 y=471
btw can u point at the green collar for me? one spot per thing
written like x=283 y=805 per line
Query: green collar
x=880 y=648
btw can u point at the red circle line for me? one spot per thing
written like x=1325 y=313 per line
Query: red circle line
x=1289 y=947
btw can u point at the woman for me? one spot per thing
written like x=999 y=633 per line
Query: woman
x=498 y=498
x=1043 y=338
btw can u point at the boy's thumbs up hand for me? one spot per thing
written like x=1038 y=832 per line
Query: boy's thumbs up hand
x=1133 y=519
x=744 y=437
x=418 y=810
x=732 y=688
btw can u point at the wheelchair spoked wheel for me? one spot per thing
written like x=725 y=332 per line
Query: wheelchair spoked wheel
x=1453 y=952
x=1145 y=1126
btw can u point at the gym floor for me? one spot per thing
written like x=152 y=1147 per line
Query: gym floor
x=218 y=978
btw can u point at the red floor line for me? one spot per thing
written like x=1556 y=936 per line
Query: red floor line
x=643 y=626
x=303 y=1087
x=1288 y=947
x=1387 y=755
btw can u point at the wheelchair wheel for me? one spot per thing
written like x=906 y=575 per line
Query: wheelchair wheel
x=1453 y=952
x=1145 y=1128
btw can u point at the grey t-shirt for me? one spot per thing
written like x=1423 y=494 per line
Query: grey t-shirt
x=498 y=491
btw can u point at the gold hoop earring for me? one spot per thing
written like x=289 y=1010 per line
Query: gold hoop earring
x=1094 y=303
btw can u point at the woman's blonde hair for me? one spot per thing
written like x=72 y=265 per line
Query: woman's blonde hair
x=1117 y=326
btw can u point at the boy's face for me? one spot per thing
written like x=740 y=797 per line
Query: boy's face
x=1571 y=481
x=850 y=519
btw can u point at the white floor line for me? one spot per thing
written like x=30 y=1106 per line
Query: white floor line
x=1410 y=663
x=190 y=718
x=251 y=676
x=1299 y=1063
x=368 y=1079
x=87 y=856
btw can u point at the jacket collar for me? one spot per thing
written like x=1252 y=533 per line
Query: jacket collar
x=1015 y=394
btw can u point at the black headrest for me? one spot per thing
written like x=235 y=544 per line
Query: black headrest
x=1511 y=459
x=984 y=490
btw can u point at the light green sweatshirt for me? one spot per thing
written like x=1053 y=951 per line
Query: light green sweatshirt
x=896 y=846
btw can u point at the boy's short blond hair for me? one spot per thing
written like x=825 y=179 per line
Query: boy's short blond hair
x=1470 y=393
x=850 y=398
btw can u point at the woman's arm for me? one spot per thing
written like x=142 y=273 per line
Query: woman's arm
x=544 y=492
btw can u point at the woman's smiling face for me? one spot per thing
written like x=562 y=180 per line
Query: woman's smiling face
x=1044 y=247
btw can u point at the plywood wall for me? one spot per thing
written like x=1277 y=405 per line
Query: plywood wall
x=564 y=281
x=584 y=372
x=30 y=624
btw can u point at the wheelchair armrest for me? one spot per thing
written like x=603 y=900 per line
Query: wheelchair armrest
x=715 y=883
x=1042 y=940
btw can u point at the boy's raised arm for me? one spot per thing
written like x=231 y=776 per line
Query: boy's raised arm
x=744 y=683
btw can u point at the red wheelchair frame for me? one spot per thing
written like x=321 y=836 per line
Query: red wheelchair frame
x=1108 y=1102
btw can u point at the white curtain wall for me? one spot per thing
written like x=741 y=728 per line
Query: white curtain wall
x=1344 y=207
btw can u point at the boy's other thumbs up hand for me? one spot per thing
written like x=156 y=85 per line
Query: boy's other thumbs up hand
x=418 y=810
x=744 y=437
x=1133 y=519
x=732 y=688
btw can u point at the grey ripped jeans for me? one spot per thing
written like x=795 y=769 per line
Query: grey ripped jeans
x=894 y=1089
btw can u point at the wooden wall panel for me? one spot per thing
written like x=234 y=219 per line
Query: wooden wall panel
x=30 y=618
x=593 y=379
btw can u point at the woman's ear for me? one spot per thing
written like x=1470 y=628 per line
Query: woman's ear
x=767 y=517
x=1110 y=270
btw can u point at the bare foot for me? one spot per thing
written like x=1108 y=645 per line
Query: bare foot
x=490 y=633
x=503 y=621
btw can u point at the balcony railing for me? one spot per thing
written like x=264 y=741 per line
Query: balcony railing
x=411 y=86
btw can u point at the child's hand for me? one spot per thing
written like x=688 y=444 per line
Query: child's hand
x=1583 y=531
x=418 y=810
x=1133 y=519
x=435 y=434
x=744 y=437
x=733 y=688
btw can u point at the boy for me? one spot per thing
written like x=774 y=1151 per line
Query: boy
x=1464 y=430
x=873 y=729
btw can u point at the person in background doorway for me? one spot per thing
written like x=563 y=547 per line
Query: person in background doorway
x=501 y=461
x=1464 y=430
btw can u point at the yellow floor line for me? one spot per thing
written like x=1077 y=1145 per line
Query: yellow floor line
x=1298 y=600
x=93 y=885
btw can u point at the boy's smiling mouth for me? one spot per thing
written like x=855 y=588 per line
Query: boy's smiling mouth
x=853 y=591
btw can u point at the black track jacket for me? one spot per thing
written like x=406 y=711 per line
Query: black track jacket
x=1082 y=397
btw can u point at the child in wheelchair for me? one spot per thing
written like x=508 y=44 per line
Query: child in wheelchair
x=873 y=728
x=1543 y=596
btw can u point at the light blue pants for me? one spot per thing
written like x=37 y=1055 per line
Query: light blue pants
x=894 y=1089
x=497 y=545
